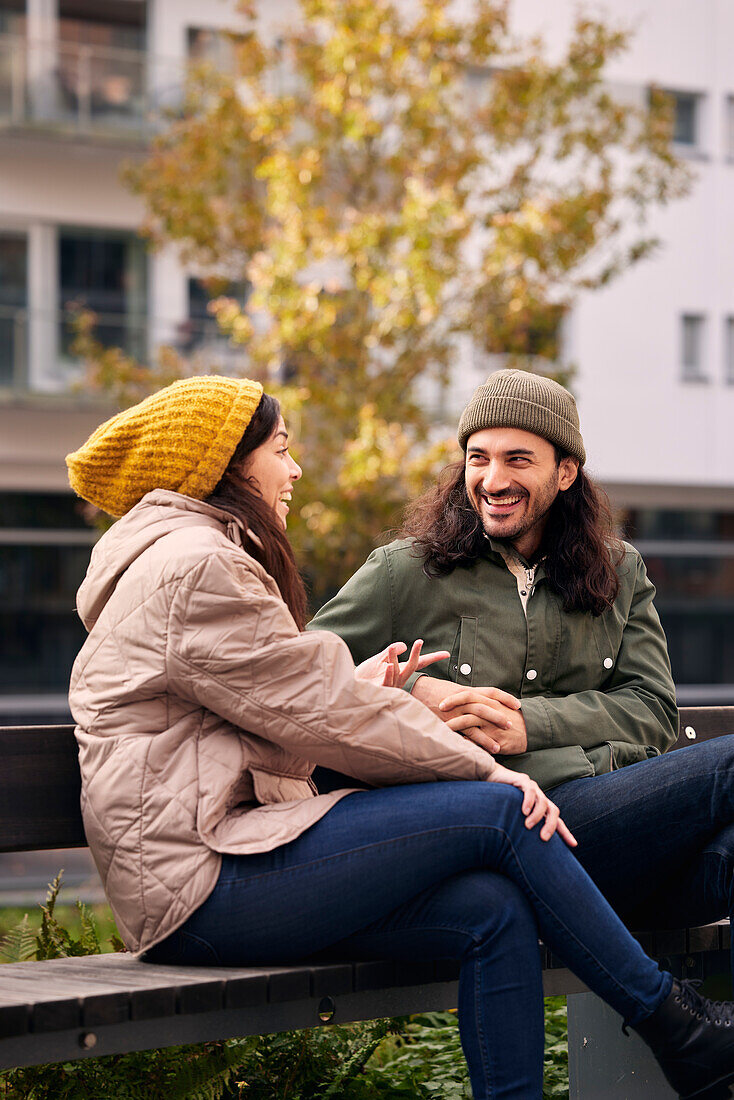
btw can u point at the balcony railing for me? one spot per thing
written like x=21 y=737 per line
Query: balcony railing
x=92 y=91
x=35 y=345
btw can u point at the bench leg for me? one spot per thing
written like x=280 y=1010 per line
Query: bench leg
x=603 y=1062
x=606 y=1064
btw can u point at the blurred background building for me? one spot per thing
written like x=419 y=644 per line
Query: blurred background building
x=84 y=84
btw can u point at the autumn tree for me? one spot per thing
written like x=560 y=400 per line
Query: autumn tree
x=389 y=177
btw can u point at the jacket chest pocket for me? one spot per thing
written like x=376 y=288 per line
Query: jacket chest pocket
x=270 y=787
x=588 y=654
x=464 y=651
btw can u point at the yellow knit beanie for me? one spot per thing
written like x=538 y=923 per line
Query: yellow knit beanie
x=180 y=438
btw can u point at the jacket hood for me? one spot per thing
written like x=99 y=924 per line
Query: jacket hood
x=155 y=516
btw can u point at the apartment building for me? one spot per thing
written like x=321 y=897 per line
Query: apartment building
x=84 y=83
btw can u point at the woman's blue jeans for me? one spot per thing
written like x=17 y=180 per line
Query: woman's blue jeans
x=434 y=869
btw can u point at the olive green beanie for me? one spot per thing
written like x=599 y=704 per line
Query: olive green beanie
x=518 y=399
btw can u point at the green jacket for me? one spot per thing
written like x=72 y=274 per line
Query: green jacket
x=597 y=692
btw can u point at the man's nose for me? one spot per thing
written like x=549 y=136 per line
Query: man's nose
x=495 y=478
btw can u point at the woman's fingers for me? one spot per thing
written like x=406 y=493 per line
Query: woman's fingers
x=565 y=834
x=430 y=658
x=536 y=806
x=392 y=663
x=417 y=660
x=552 y=815
x=544 y=808
x=410 y=666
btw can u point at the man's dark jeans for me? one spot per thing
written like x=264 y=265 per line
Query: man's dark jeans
x=658 y=837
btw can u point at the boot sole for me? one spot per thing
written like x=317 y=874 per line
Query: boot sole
x=720 y=1090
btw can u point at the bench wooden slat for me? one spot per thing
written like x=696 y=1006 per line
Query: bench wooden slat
x=121 y=995
x=40 y=784
x=39 y=789
x=702 y=723
x=14 y=1017
x=331 y=980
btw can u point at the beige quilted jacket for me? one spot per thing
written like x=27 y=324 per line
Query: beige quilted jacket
x=201 y=711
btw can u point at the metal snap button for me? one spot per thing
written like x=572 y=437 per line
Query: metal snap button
x=690 y=733
x=608 y=662
x=465 y=669
x=531 y=673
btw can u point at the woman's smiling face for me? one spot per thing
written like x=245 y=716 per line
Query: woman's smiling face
x=273 y=472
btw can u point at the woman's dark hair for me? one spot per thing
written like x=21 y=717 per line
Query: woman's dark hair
x=238 y=494
x=580 y=547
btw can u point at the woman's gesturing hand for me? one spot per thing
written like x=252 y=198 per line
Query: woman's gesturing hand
x=384 y=669
x=535 y=805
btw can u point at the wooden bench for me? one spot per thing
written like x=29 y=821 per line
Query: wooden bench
x=86 y=1007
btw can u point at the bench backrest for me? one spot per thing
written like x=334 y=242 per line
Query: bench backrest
x=40 y=784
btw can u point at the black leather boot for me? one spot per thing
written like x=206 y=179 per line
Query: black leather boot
x=693 y=1041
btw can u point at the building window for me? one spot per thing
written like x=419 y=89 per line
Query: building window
x=101 y=62
x=729 y=127
x=13 y=309
x=685 y=118
x=729 y=349
x=690 y=560
x=687 y=113
x=201 y=332
x=116 y=24
x=693 y=327
x=45 y=543
x=12 y=16
x=104 y=271
x=213 y=47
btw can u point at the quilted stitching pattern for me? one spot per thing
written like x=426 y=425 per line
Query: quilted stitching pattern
x=193 y=674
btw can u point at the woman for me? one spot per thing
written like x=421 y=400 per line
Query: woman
x=201 y=710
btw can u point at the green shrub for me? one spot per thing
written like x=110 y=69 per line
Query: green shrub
x=411 y=1058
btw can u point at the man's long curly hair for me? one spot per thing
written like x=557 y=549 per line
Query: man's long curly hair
x=580 y=548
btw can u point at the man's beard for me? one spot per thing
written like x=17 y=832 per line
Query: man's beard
x=535 y=514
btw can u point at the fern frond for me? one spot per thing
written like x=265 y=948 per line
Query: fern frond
x=88 y=942
x=52 y=941
x=20 y=942
x=358 y=1060
x=206 y=1076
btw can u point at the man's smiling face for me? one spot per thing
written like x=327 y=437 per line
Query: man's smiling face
x=512 y=478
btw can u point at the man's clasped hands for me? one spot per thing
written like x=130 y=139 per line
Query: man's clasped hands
x=490 y=717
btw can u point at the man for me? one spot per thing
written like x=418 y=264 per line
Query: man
x=558 y=660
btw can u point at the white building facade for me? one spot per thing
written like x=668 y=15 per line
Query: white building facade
x=82 y=85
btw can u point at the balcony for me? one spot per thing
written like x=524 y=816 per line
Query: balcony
x=72 y=89
x=35 y=353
